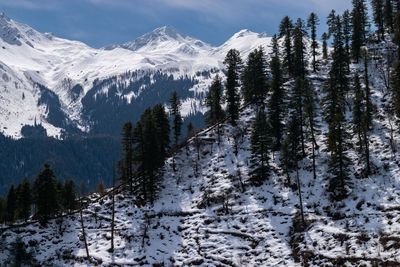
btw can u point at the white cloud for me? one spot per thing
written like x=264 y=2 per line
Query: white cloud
x=32 y=4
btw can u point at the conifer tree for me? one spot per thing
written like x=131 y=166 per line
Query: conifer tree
x=388 y=15
x=254 y=80
x=312 y=23
x=378 y=14
x=45 y=191
x=214 y=102
x=310 y=114
x=24 y=200
x=331 y=21
x=11 y=204
x=396 y=89
x=276 y=102
x=161 y=124
x=233 y=64
x=175 y=105
x=299 y=50
x=127 y=150
x=397 y=30
x=285 y=30
x=347 y=28
x=358 y=28
x=69 y=196
x=337 y=141
x=190 y=130
x=325 y=38
x=260 y=147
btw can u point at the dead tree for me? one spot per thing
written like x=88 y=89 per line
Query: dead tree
x=83 y=228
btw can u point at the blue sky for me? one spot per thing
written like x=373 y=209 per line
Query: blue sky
x=104 y=22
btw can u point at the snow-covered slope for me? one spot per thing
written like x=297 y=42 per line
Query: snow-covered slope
x=28 y=57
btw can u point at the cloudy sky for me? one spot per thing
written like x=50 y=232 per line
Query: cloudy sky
x=104 y=22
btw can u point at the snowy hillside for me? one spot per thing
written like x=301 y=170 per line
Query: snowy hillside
x=71 y=70
x=208 y=215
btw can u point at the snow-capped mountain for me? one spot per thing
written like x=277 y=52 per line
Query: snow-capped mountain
x=65 y=84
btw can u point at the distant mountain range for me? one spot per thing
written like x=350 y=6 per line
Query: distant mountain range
x=68 y=87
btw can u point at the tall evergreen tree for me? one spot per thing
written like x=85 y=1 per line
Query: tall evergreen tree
x=24 y=200
x=69 y=196
x=233 y=64
x=276 y=102
x=127 y=150
x=161 y=124
x=331 y=21
x=45 y=192
x=285 y=30
x=337 y=141
x=388 y=15
x=260 y=147
x=312 y=23
x=175 y=105
x=3 y=213
x=397 y=31
x=214 y=102
x=379 y=19
x=254 y=80
x=11 y=204
x=347 y=30
x=325 y=38
x=299 y=50
x=359 y=25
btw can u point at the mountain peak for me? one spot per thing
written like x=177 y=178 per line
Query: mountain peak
x=167 y=31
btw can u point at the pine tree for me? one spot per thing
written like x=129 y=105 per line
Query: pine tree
x=397 y=31
x=396 y=89
x=337 y=141
x=378 y=14
x=260 y=147
x=324 y=38
x=161 y=124
x=69 y=196
x=127 y=150
x=310 y=114
x=11 y=205
x=358 y=28
x=358 y=111
x=347 y=28
x=3 y=213
x=45 y=192
x=214 y=102
x=299 y=50
x=331 y=21
x=276 y=101
x=285 y=30
x=190 y=130
x=254 y=80
x=233 y=64
x=175 y=105
x=312 y=23
x=24 y=200
x=388 y=15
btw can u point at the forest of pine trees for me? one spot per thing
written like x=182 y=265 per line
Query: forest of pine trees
x=279 y=88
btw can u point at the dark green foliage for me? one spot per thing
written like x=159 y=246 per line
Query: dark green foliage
x=396 y=89
x=260 y=148
x=379 y=18
x=46 y=194
x=285 y=30
x=397 y=31
x=388 y=15
x=85 y=158
x=337 y=141
x=190 y=130
x=325 y=38
x=347 y=30
x=24 y=200
x=233 y=64
x=175 y=105
x=254 y=80
x=276 y=104
x=11 y=205
x=161 y=124
x=213 y=101
x=332 y=23
x=312 y=23
x=359 y=27
x=299 y=50
x=69 y=196
x=127 y=155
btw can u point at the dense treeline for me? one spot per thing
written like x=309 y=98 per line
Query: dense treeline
x=44 y=198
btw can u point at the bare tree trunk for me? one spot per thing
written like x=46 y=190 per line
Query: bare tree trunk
x=84 y=233
x=113 y=214
x=300 y=197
